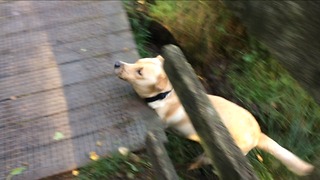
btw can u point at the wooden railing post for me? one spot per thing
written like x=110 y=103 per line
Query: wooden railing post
x=228 y=160
x=161 y=162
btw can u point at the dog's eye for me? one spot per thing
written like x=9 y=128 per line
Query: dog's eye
x=139 y=71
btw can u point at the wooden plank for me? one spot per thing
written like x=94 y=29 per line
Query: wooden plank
x=26 y=60
x=99 y=46
x=61 y=100
x=104 y=118
x=9 y=9
x=31 y=59
x=55 y=77
x=64 y=34
x=68 y=154
x=57 y=16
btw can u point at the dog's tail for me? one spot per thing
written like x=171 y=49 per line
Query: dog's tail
x=291 y=161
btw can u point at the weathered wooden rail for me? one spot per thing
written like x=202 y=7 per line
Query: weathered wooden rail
x=162 y=164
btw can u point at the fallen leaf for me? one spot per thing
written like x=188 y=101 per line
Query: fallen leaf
x=83 y=50
x=75 y=172
x=126 y=49
x=58 y=136
x=17 y=171
x=93 y=156
x=141 y=2
x=123 y=151
x=259 y=158
x=99 y=143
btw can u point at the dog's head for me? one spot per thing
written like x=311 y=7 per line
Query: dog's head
x=146 y=76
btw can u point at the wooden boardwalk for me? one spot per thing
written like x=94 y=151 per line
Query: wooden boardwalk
x=58 y=93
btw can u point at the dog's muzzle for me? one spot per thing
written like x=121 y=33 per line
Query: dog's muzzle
x=117 y=65
x=118 y=69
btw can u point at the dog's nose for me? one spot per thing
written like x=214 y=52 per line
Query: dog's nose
x=117 y=64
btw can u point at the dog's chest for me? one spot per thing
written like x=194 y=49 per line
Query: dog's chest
x=173 y=119
x=169 y=110
x=176 y=117
x=157 y=105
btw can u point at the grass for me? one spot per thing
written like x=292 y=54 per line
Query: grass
x=117 y=166
x=139 y=23
x=182 y=152
x=284 y=110
x=198 y=31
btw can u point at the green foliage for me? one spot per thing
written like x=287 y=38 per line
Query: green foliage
x=202 y=28
x=261 y=171
x=250 y=57
x=183 y=152
x=139 y=24
x=116 y=166
x=284 y=110
x=166 y=9
x=194 y=24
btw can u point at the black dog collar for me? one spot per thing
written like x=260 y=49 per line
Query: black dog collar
x=157 y=97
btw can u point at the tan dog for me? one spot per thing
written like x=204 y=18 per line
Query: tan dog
x=151 y=83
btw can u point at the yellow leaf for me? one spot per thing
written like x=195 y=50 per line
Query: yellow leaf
x=99 y=143
x=75 y=172
x=123 y=151
x=93 y=156
x=259 y=158
x=141 y=1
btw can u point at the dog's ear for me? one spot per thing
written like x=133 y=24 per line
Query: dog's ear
x=161 y=82
x=161 y=59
